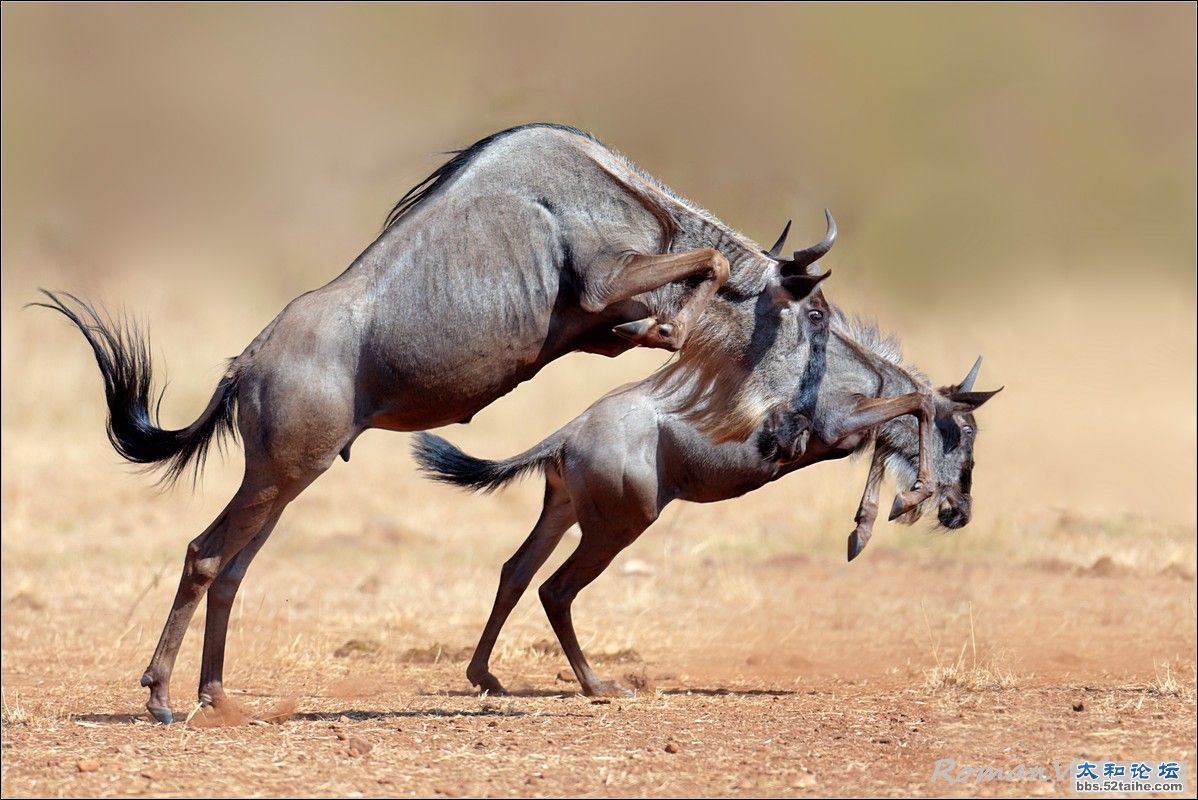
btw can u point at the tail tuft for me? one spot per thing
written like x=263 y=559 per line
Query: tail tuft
x=442 y=461
x=122 y=352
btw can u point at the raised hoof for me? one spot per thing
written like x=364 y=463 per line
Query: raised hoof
x=633 y=331
x=163 y=715
x=857 y=542
x=609 y=689
x=905 y=503
x=794 y=450
x=648 y=332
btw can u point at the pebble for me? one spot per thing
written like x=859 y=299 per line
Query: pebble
x=87 y=765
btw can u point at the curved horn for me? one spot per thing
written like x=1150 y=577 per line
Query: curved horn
x=775 y=252
x=805 y=258
x=967 y=384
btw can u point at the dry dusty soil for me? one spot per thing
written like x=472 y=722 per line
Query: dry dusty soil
x=841 y=702
x=1059 y=625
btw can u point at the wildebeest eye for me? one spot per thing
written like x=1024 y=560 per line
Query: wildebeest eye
x=967 y=430
x=815 y=315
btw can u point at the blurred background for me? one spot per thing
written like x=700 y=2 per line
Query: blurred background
x=1017 y=181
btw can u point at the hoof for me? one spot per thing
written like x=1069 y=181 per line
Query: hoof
x=906 y=502
x=857 y=543
x=635 y=331
x=159 y=703
x=490 y=685
x=648 y=332
x=163 y=715
x=793 y=451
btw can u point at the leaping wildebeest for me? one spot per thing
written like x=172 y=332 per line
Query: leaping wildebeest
x=532 y=243
x=615 y=467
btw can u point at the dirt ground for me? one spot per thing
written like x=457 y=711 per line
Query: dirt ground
x=1060 y=624
x=846 y=698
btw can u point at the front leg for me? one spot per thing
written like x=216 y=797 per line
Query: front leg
x=867 y=511
x=925 y=481
x=870 y=412
x=637 y=274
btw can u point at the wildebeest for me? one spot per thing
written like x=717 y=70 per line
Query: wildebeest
x=532 y=243
x=616 y=466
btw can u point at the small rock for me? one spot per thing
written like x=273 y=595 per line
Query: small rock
x=359 y=746
x=1079 y=706
x=566 y=676
x=87 y=765
x=671 y=748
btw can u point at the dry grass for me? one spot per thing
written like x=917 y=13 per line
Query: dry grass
x=966 y=671
x=1174 y=681
x=971 y=675
x=14 y=712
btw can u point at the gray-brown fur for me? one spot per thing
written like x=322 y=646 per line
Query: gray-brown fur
x=536 y=242
x=616 y=466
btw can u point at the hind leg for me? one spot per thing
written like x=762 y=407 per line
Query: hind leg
x=256 y=505
x=556 y=516
x=216 y=622
x=600 y=544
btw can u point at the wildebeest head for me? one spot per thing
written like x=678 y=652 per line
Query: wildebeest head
x=742 y=363
x=954 y=437
x=797 y=276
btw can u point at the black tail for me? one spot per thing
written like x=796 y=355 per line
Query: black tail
x=123 y=355
x=444 y=462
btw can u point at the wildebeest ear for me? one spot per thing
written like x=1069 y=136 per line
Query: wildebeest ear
x=972 y=400
x=799 y=286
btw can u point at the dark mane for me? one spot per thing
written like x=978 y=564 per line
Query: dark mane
x=447 y=171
